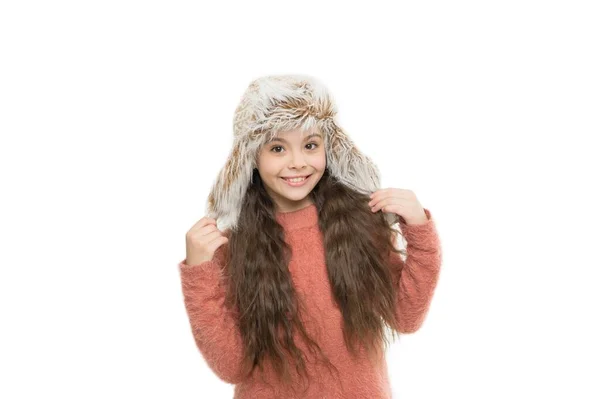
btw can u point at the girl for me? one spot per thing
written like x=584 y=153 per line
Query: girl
x=292 y=281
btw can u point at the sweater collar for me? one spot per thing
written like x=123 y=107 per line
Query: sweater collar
x=303 y=217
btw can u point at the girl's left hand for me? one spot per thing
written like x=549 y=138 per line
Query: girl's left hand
x=402 y=202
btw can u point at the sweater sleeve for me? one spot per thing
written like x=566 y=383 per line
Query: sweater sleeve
x=214 y=327
x=416 y=278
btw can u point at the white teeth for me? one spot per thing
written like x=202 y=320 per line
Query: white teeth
x=296 y=180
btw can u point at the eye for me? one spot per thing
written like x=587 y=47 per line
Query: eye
x=278 y=146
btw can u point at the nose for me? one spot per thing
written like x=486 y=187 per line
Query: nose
x=297 y=161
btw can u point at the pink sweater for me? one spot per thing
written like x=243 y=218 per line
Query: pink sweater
x=216 y=335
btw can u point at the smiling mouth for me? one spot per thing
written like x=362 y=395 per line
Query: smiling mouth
x=296 y=178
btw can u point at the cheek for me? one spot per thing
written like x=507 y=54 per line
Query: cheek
x=266 y=165
x=320 y=162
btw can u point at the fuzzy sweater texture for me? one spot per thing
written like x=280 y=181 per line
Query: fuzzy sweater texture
x=218 y=339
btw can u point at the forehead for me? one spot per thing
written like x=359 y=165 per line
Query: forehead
x=292 y=135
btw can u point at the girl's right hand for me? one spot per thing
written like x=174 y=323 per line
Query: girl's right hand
x=202 y=240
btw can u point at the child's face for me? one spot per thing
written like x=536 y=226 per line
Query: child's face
x=296 y=153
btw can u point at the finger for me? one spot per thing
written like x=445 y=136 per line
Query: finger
x=379 y=193
x=374 y=203
x=215 y=240
x=385 y=193
x=209 y=229
x=376 y=198
x=385 y=204
x=377 y=205
x=203 y=230
x=203 y=222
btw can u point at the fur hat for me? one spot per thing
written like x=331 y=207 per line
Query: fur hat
x=277 y=103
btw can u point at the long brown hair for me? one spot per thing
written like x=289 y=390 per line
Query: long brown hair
x=260 y=285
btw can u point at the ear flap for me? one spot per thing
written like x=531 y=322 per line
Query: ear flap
x=228 y=190
x=348 y=164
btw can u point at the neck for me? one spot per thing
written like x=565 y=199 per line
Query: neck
x=304 y=217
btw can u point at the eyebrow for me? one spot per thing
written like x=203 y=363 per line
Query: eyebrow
x=306 y=138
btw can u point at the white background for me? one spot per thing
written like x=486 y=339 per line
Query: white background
x=116 y=117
